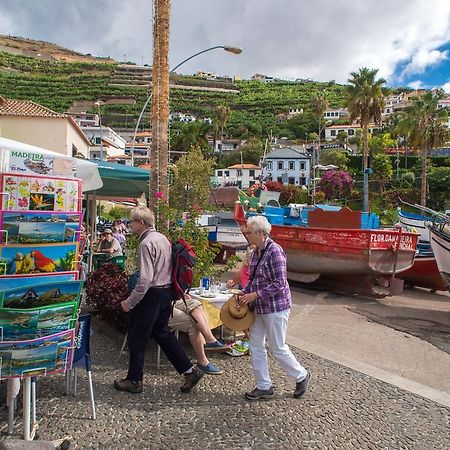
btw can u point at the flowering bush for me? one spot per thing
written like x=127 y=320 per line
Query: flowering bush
x=335 y=184
x=106 y=287
x=274 y=186
x=170 y=223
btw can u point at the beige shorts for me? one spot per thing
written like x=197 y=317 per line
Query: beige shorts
x=181 y=319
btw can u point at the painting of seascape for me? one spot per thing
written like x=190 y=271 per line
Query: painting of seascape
x=41 y=295
x=45 y=355
x=21 y=281
x=20 y=324
x=40 y=227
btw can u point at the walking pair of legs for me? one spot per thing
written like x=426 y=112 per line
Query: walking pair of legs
x=150 y=318
x=273 y=327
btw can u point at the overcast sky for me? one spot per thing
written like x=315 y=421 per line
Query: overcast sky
x=407 y=40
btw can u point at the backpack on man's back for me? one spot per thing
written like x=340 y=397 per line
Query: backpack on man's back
x=183 y=261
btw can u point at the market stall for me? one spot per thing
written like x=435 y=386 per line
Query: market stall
x=41 y=235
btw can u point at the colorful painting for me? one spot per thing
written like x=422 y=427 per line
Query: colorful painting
x=26 y=259
x=40 y=228
x=33 y=193
x=23 y=324
x=41 y=295
x=41 y=356
x=21 y=281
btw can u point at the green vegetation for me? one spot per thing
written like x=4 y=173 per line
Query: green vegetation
x=253 y=110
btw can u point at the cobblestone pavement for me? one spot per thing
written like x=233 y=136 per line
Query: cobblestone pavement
x=343 y=409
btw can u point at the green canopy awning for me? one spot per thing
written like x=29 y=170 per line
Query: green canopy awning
x=120 y=180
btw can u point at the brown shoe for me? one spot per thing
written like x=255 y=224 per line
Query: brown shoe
x=191 y=380
x=135 y=387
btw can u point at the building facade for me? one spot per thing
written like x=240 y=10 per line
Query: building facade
x=34 y=124
x=288 y=165
x=240 y=175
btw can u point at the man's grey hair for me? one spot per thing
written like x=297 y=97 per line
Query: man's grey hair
x=259 y=223
x=143 y=213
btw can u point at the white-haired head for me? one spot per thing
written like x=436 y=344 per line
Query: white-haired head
x=259 y=223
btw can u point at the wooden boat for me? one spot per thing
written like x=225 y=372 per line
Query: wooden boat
x=424 y=273
x=333 y=246
x=440 y=243
x=416 y=222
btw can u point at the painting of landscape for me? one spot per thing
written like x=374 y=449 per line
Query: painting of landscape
x=40 y=258
x=20 y=324
x=20 y=281
x=44 y=355
x=41 y=295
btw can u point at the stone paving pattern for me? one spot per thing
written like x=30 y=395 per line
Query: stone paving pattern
x=343 y=409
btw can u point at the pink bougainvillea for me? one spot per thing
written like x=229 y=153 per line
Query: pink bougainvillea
x=335 y=184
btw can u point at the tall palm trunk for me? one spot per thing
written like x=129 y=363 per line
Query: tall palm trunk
x=423 y=189
x=159 y=157
x=366 y=163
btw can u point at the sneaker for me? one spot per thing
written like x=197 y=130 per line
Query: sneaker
x=301 y=386
x=210 y=369
x=191 y=380
x=217 y=346
x=258 y=394
x=135 y=387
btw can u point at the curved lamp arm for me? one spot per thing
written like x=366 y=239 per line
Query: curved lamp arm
x=227 y=48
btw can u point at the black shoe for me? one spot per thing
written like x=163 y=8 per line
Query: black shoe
x=191 y=380
x=135 y=387
x=258 y=394
x=301 y=386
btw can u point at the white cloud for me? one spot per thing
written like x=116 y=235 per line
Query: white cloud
x=424 y=59
x=446 y=87
x=318 y=39
x=417 y=84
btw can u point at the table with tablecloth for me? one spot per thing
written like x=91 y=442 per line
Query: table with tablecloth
x=212 y=305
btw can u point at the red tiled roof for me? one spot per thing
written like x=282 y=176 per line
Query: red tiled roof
x=26 y=108
x=244 y=166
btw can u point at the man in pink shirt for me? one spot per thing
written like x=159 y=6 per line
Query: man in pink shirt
x=150 y=306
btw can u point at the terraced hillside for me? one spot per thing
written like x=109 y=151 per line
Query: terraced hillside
x=58 y=84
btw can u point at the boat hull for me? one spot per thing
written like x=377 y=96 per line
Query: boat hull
x=416 y=222
x=424 y=273
x=440 y=243
x=345 y=251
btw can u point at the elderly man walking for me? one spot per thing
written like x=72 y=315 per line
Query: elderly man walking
x=150 y=305
x=267 y=291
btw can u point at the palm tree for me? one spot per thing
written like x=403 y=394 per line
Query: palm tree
x=424 y=125
x=365 y=102
x=191 y=135
x=222 y=116
x=159 y=158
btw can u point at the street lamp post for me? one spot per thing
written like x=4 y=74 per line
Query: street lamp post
x=316 y=154
x=227 y=48
x=98 y=104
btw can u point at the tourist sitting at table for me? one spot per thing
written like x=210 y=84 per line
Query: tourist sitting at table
x=109 y=245
x=240 y=279
x=190 y=318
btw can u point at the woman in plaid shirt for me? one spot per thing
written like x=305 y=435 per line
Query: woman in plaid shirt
x=268 y=293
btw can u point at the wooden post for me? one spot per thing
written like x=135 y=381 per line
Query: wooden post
x=159 y=158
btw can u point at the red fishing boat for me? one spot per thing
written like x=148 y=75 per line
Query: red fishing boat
x=424 y=273
x=334 y=250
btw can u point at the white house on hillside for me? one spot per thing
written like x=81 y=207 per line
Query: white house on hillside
x=240 y=175
x=288 y=165
x=332 y=131
x=104 y=139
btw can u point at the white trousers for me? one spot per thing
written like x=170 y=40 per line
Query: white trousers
x=273 y=326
